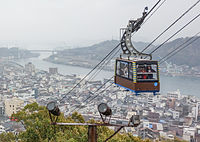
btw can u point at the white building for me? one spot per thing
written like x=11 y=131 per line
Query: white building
x=157 y=126
x=13 y=105
x=175 y=94
x=175 y=114
x=188 y=133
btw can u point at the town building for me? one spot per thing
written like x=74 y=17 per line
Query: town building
x=13 y=105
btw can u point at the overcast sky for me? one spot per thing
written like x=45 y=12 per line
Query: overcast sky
x=84 y=22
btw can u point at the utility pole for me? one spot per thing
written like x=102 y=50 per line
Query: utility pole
x=104 y=110
x=92 y=133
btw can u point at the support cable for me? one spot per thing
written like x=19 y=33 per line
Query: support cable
x=114 y=133
x=175 y=50
x=153 y=7
x=105 y=88
x=180 y=50
x=171 y=25
x=100 y=69
x=102 y=60
x=96 y=96
x=161 y=59
x=92 y=93
x=175 y=33
x=89 y=73
x=153 y=12
x=145 y=21
x=190 y=39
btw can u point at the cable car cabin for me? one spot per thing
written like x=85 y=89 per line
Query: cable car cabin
x=137 y=75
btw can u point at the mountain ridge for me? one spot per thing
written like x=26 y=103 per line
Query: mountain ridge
x=94 y=53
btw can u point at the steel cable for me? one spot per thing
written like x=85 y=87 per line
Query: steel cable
x=170 y=26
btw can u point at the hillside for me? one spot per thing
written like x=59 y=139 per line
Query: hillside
x=90 y=56
x=97 y=51
x=38 y=128
x=188 y=56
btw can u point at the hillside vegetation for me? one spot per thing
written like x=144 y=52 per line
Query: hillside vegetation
x=188 y=56
x=93 y=54
x=38 y=128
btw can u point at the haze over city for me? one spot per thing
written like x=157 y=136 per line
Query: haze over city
x=67 y=72
x=50 y=23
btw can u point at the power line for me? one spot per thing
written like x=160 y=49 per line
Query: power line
x=154 y=12
x=170 y=26
x=175 y=33
x=89 y=72
x=98 y=94
x=108 y=61
x=100 y=69
x=145 y=21
x=180 y=49
x=161 y=59
x=110 y=53
x=179 y=46
x=153 y=7
x=92 y=93
x=102 y=60
x=105 y=64
x=160 y=63
x=102 y=85
x=119 y=44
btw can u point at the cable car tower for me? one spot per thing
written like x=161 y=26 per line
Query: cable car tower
x=126 y=43
x=134 y=70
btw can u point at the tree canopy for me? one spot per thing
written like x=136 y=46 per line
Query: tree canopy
x=38 y=127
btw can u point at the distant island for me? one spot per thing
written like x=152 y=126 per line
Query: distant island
x=88 y=56
x=185 y=62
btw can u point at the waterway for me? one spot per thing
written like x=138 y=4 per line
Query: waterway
x=186 y=85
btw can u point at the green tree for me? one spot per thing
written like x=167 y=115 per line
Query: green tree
x=38 y=128
x=7 y=137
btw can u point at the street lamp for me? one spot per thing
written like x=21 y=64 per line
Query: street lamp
x=53 y=108
x=104 y=110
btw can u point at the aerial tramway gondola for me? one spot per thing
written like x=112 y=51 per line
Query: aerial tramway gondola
x=136 y=71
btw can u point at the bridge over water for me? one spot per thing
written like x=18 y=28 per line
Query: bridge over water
x=45 y=50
